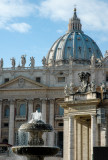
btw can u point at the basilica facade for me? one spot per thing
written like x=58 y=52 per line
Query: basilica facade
x=74 y=64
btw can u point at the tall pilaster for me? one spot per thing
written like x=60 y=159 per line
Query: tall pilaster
x=103 y=137
x=0 y=119
x=11 y=123
x=30 y=108
x=51 y=121
x=44 y=117
x=44 y=110
x=71 y=145
x=66 y=137
x=93 y=133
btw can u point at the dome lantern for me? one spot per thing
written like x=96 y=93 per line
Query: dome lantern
x=74 y=23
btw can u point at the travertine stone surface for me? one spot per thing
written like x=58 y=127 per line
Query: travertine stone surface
x=11 y=123
x=0 y=119
x=51 y=121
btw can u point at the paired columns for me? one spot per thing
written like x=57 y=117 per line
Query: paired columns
x=70 y=138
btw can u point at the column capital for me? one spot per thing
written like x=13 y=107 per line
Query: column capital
x=93 y=115
x=44 y=100
x=12 y=101
x=52 y=101
x=30 y=100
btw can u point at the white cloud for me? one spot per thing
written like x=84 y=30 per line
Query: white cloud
x=10 y=9
x=20 y=27
x=60 y=31
x=93 y=13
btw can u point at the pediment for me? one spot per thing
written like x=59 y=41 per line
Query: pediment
x=22 y=82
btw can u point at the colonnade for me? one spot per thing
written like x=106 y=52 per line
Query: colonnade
x=80 y=138
x=30 y=110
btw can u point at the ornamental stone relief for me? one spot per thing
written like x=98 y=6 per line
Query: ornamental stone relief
x=21 y=82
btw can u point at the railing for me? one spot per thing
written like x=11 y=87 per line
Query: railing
x=57 y=117
x=19 y=117
x=22 y=68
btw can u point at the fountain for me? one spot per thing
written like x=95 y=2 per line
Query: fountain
x=35 y=150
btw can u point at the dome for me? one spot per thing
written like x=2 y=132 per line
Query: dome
x=74 y=44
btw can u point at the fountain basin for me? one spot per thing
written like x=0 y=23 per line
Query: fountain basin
x=36 y=126
x=36 y=151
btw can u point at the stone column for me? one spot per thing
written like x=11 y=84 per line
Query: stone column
x=44 y=117
x=51 y=121
x=103 y=136
x=71 y=146
x=65 y=138
x=0 y=119
x=93 y=133
x=11 y=123
x=30 y=108
x=44 y=110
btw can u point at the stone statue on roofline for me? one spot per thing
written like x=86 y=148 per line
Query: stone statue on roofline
x=23 y=60
x=84 y=79
x=66 y=90
x=13 y=62
x=71 y=88
x=44 y=61
x=32 y=64
x=93 y=86
x=93 y=60
x=1 y=63
x=103 y=87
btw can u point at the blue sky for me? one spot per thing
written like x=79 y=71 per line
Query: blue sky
x=30 y=27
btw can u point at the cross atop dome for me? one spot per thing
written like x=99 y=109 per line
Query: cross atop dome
x=74 y=23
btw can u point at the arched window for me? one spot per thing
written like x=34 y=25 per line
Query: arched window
x=6 y=112
x=22 y=109
x=38 y=108
x=61 y=111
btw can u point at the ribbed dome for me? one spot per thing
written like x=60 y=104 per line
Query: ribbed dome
x=74 y=44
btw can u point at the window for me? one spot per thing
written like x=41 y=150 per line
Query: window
x=60 y=124
x=38 y=79
x=6 y=124
x=6 y=80
x=61 y=79
x=60 y=140
x=107 y=77
x=22 y=110
x=61 y=111
x=38 y=108
x=6 y=112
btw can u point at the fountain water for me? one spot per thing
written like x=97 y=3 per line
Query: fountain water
x=35 y=150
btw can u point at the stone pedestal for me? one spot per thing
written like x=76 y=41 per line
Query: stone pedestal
x=11 y=123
